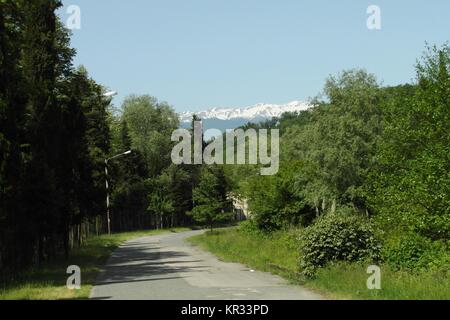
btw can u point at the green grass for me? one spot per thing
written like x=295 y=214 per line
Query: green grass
x=274 y=254
x=348 y=281
x=278 y=254
x=49 y=282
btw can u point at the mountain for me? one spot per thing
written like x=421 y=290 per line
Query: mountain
x=256 y=113
x=223 y=119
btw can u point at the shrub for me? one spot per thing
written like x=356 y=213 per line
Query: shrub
x=414 y=252
x=249 y=227
x=337 y=237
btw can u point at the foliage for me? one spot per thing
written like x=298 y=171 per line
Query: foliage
x=336 y=146
x=149 y=191
x=277 y=253
x=168 y=198
x=382 y=152
x=414 y=253
x=410 y=180
x=54 y=136
x=274 y=201
x=337 y=237
x=326 y=155
x=150 y=124
x=211 y=204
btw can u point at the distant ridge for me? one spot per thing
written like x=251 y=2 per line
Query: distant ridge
x=258 y=112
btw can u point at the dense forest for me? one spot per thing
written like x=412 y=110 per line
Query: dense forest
x=365 y=173
x=54 y=136
x=57 y=128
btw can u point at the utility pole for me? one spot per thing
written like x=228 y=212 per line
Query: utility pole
x=108 y=218
x=108 y=215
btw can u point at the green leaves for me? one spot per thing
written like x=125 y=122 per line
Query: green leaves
x=410 y=181
x=211 y=203
x=337 y=237
x=150 y=124
x=54 y=120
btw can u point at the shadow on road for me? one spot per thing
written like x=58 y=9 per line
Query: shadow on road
x=135 y=262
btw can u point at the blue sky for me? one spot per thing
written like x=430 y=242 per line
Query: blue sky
x=197 y=54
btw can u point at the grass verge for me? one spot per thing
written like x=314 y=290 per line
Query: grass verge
x=49 y=282
x=278 y=254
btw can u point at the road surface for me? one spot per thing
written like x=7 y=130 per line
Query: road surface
x=166 y=267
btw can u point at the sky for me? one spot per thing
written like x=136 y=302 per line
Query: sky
x=199 y=54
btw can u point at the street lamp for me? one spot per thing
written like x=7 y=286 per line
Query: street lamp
x=110 y=94
x=108 y=217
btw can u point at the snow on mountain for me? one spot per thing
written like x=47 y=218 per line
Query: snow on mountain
x=256 y=112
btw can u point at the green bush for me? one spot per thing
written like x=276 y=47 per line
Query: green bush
x=337 y=237
x=251 y=227
x=413 y=252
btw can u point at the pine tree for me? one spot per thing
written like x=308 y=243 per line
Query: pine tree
x=128 y=176
x=12 y=113
x=42 y=191
x=211 y=204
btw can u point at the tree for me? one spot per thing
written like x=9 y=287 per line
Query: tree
x=53 y=147
x=42 y=192
x=12 y=111
x=337 y=142
x=128 y=182
x=150 y=124
x=179 y=183
x=326 y=155
x=211 y=204
x=85 y=137
x=161 y=193
x=168 y=199
x=410 y=183
x=161 y=203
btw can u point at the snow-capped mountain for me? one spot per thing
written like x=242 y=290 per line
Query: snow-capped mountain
x=257 y=112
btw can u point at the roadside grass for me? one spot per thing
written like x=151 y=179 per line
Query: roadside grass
x=49 y=281
x=278 y=254
x=348 y=281
x=275 y=253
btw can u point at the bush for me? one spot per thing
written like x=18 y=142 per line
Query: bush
x=337 y=237
x=248 y=226
x=413 y=252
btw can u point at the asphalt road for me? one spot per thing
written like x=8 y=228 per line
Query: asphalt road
x=166 y=267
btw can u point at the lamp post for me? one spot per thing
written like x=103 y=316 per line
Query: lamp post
x=108 y=216
x=110 y=94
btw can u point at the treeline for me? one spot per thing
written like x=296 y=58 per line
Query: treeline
x=148 y=191
x=54 y=137
x=57 y=128
x=57 y=131
x=381 y=154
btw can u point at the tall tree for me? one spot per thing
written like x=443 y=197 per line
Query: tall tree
x=150 y=125
x=338 y=143
x=12 y=111
x=410 y=183
x=170 y=198
x=128 y=180
x=47 y=135
x=211 y=203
